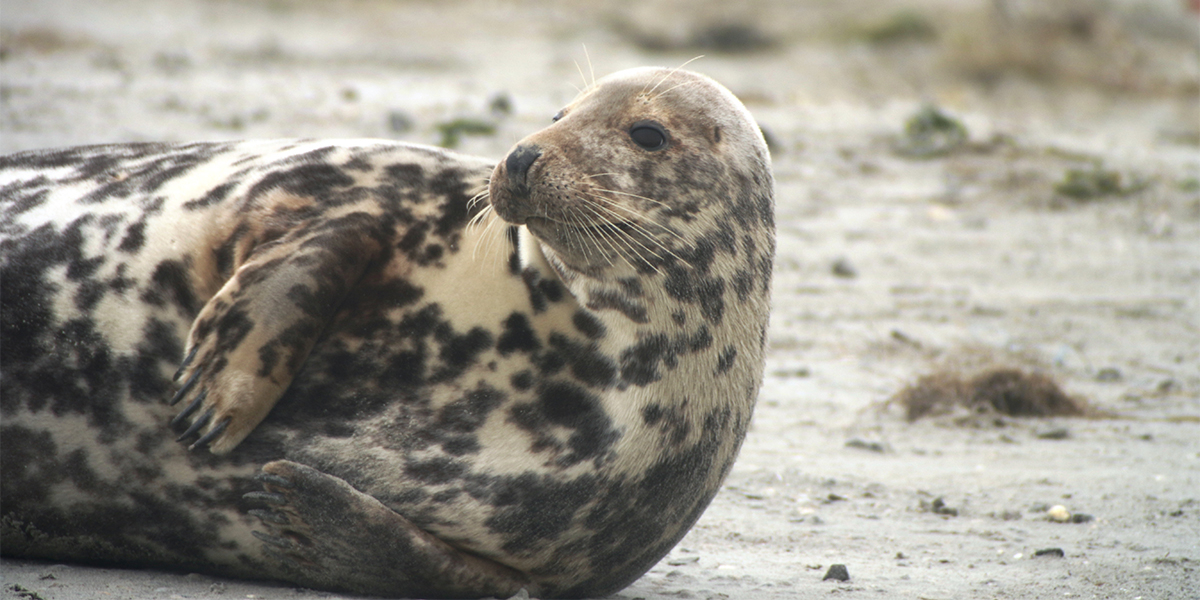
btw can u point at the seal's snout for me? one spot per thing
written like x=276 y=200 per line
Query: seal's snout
x=519 y=160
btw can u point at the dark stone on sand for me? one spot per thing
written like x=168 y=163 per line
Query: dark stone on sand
x=1058 y=433
x=837 y=572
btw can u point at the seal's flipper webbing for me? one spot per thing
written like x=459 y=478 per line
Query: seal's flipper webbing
x=322 y=532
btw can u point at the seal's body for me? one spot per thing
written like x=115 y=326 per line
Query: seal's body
x=396 y=401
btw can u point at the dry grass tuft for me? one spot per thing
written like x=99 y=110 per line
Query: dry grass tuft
x=999 y=391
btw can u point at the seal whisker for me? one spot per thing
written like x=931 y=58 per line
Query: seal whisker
x=615 y=227
x=582 y=224
x=659 y=202
x=586 y=87
x=668 y=75
x=484 y=223
x=631 y=223
x=591 y=70
x=480 y=196
x=637 y=224
x=494 y=236
x=637 y=215
x=603 y=229
x=675 y=87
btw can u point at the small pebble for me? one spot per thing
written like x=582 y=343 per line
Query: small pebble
x=1167 y=386
x=865 y=445
x=837 y=572
x=1058 y=433
x=938 y=506
x=1108 y=374
x=1081 y=518
x=1059 y=513
x=843 y=268
x=501 y=104
x=1055 y=552
x=686 y=560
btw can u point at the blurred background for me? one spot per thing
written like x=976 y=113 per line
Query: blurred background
x=118 y=70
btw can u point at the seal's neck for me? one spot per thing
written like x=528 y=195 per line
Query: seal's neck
x=672 y=298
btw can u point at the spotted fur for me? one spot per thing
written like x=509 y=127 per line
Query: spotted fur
x=396 y=401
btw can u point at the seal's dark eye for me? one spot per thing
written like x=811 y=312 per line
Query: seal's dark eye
x=558 y=115
x=649 y=135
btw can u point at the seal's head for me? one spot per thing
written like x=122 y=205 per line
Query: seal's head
x=634 y=172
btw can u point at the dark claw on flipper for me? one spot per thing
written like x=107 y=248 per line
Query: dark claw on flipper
x=183 y=391
x=275 y=480
x=191 y=408
x=278 y=542
x=212 y=434
x=197 y=425
x=268 y=516
x=187 y=360
x=268 y=497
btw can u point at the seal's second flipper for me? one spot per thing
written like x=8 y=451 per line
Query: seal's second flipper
x=323 y=533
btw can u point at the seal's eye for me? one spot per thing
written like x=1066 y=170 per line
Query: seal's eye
x=558 y=115
x=649 y=135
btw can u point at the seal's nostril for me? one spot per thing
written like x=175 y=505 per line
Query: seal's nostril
x=519 y=161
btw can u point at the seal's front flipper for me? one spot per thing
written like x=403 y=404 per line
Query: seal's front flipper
x=323 y=533
x=251 y=338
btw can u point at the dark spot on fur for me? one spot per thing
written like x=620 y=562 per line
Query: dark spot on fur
x=611 y=300
x=469 y=412
x=311 y=180
x=434 y=471
x=725 y=361
x=517 y=336
x=135 y=237
x=562 y=404
x=588 y=325
x=171 y=283
x=533 y=509
x=522 y=380
x=671 y=421
x=213 y=196
x=460 y=351
x=639 y=363
x=588 y=365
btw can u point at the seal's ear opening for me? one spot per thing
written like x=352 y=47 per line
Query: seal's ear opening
x=649 y=135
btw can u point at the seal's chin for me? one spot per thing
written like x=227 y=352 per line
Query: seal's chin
x=564 y=240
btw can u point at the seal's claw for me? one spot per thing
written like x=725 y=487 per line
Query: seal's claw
x=187 y=385
x=196 y=425
x=189 y=409
x=274 y=480
x=268 y=516
x=213 y=433
x=268 y=497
